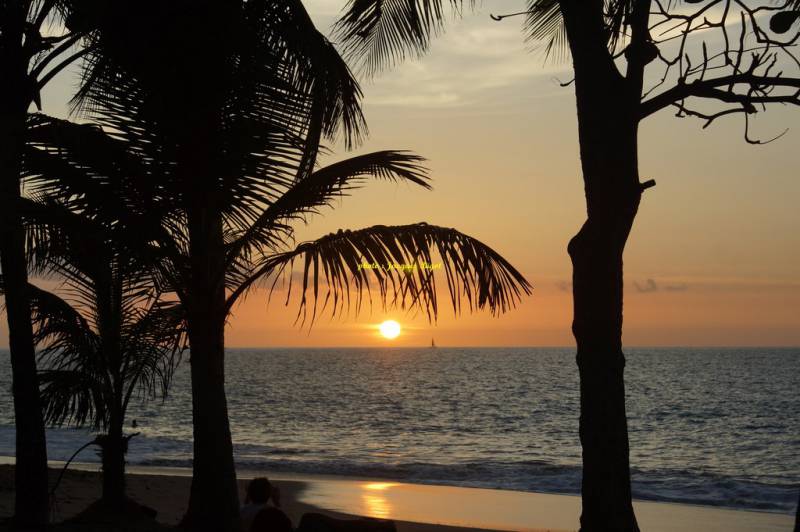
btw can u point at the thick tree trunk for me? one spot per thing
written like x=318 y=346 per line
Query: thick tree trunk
x=596 y=253
x=607 y=127
x=32 y=495
x=32 y=506
x=214 y=499
x=114 y=448
x=613 y=193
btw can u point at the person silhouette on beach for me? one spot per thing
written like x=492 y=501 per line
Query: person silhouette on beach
x=259 y=493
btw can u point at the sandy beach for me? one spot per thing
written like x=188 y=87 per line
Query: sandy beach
x=168 y=495
x=414 y=508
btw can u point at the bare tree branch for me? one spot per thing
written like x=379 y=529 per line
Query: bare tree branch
x=711 y=89
x=726 y=56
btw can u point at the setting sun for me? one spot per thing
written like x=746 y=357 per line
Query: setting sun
x=390 y=329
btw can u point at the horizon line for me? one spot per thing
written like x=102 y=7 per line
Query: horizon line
x=633 y=346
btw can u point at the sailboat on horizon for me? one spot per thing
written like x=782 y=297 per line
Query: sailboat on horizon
x=433 y=344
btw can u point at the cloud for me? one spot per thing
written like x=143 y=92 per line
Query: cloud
x=472 y=58
x=564 y=286
x=474 y=62
x=324 y=12
x=650 y=285
x=676 y=287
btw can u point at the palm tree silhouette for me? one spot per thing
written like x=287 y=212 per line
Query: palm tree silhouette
x=109 y=342
x=224 y=108
x=30 y=57
x=110 y=339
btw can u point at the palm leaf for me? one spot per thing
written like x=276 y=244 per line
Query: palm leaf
x=270 y=231
x=75 y=383
x=473 y=271
x=72 y=397
x=544 y=25
x=336 y=92
x=380 y=33
x=152 y=349
x=97 y=188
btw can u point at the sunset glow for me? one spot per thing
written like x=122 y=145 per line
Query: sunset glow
x=390 y=329
x=499 y=130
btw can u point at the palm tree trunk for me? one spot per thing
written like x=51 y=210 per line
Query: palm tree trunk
x=109 y=301
x=214 y=498
x=114 y=466
x=607 y=126
x=32 y=500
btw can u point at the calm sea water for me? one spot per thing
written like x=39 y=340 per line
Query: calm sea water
x=707 y=426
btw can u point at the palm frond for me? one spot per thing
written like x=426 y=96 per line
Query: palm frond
x=381 y=33
x=58 y=325
x=152 y=349
x=91 y=187
x=91 y=172
x=270 y=231
x=83 y=375
x=75 y=383
x=72 y=397
x=58 y=238
x=544 y=26
x=335 y=91
x=271 y=86
x=399 y=260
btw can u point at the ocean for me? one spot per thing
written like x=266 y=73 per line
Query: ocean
x=711 y=426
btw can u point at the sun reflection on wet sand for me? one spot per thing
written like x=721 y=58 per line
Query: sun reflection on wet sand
x=513 y=510
x=379 y=486
x=375 y=500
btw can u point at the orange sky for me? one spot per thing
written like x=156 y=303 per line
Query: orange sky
x=715 y=250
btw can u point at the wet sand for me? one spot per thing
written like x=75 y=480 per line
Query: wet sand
x=414 y=507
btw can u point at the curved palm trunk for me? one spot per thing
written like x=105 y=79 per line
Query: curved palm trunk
x=32 y=499
x=607 y=125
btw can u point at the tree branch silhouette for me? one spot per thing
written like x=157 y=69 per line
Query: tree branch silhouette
x=743 y=75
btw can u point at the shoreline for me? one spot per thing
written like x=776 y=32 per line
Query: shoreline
x=246 y=473
x=414 y=507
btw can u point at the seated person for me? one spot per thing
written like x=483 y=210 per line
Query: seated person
x=259 y=492
x=271 y=519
